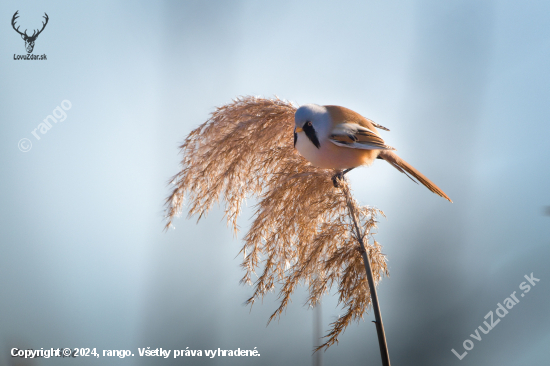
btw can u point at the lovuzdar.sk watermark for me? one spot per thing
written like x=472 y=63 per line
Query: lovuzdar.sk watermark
x=501 y=311
x=29 y=57
x=29 y=39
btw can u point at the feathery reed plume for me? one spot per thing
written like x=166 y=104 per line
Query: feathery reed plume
x=304 y=230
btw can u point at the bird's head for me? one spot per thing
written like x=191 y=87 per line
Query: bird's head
x=313 y=120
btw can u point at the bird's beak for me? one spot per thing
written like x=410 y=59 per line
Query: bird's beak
x=298 y=129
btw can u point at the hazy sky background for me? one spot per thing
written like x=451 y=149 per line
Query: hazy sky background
x=464 y=87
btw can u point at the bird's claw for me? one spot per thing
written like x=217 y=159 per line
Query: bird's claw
x=336 y=178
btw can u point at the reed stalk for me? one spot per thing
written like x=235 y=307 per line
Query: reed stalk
x=368 y=271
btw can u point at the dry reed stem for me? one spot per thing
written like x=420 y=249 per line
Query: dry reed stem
x=302 y=231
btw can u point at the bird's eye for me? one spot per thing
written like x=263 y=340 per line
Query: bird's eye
x=309 y=123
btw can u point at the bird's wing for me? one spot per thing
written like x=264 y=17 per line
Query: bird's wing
x=377 y=125
x=353 y=135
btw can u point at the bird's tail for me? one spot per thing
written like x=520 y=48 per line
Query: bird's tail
x=410 y=172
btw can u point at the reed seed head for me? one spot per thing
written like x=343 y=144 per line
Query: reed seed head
x=302 y=231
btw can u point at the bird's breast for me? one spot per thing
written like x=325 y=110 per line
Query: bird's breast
x=331 y=156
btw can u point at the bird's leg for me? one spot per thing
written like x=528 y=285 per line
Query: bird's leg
x=339 y=176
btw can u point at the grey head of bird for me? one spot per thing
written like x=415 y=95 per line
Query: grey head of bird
x=314 y=121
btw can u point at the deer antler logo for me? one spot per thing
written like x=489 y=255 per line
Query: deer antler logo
x=29 y=40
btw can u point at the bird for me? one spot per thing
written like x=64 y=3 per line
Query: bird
x=335 y=137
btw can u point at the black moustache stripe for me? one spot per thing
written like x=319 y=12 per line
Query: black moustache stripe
x=295 y=139
x=311 y=135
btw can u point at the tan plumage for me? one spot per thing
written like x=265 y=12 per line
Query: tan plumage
x=405 y=168
x=347 y=140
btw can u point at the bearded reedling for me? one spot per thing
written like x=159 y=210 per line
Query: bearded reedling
x=334 y=137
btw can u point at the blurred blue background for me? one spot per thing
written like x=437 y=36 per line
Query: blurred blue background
x=463 y=85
